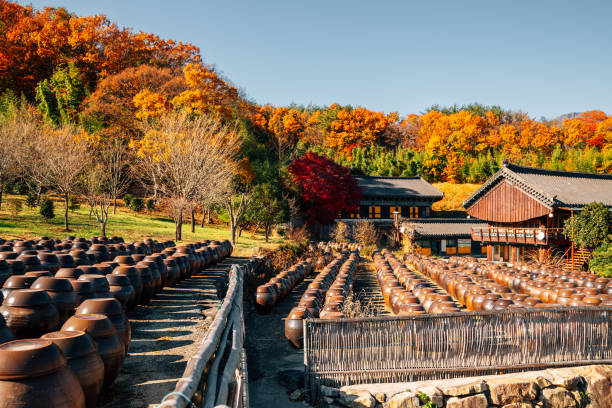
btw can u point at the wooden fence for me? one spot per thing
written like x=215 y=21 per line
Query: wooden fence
x=413 y=348
x=216 y=375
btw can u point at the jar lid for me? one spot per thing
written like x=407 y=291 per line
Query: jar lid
x=104 y=306
x=96 y=325
x=27 y=298
x=73 y=343
x=29 y=358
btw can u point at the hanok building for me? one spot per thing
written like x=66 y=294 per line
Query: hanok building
x=443 y=236
x=410 y=200
x=411 y=197
x=526 y=209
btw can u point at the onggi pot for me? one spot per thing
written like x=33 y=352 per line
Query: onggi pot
x=83 y=359
x=34 y=374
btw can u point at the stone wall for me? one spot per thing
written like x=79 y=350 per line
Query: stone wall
x=575 y=387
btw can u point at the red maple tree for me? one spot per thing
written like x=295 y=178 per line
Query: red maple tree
x=326 y=188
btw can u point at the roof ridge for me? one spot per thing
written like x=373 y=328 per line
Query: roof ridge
x=550 y=172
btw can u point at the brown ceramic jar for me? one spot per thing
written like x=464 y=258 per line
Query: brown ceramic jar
x=83 y=359
x=61 y=293
x=29 y=313
x=110 y=349
x=34 y=374
x=112 y=309
x=294 y=330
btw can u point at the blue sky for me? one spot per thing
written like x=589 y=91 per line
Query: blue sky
x=545 y=58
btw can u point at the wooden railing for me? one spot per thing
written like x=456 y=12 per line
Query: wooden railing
x=534 y=236
x=216 y=374
x=413 y=348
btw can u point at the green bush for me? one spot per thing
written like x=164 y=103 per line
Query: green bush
x=31 y=199
x=127 y=198
x=136 y=204
x=47 y=209
x=73 y=204
x=590 y=226
x=601 y=263
x=150 y=204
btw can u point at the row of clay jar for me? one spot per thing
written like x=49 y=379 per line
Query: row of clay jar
x=474 y=291
x=406 y=293
x=36 y=311
x=546 y=284
x=268 y=294
x=339 y=290
x=310 y=303
x=129 y=282
x=17 y=258
x=339 y=246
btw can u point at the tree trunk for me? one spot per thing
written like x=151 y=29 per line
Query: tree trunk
x=193 y=220
x=233 y=228
x=267 y=232
x=203 y=217
x=66 y=212
x=179 y=227
x=240 y=232
x=103 y=229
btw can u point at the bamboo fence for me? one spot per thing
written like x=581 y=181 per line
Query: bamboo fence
x=413 y=348
x=216 y=375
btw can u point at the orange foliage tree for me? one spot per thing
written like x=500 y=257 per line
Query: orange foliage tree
x=33 y=42
x=357 y=127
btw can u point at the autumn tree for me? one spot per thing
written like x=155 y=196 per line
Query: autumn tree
x=33 y=42
x=357 y=127
x=58 y=160
x=326 y=189
x=111 y=108
x=19 y=124
x=190 y=159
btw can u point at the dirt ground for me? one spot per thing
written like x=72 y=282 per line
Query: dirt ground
x=164 y=335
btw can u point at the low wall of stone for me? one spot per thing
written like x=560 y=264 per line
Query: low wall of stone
x=573 y=387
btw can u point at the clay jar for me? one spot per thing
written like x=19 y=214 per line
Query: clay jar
x=160 y=266
x=29 y=313
x=134 y=277
x=155 y=275
x=99 y=283
x=38 y=274
x=112 y=309
x=83 y=290
x=265 y=298
x=33 y=373
x=83 y=359
x=17 y=282
x=100 y=328
x=69 y=273
x=17 y=267
x=174 y=272
x=31 y=262
x=61 y=293
x=148 y=285
x=6 y=334
x=122 y=290
x=5 y=271
x=294 y=330
x=49 y=261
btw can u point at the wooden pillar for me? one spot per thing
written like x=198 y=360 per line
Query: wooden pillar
x=541 y=253
x=490 y=252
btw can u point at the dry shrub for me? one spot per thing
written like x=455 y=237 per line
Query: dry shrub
x=299 y=235
x=358 y=305
x=365 y=233
x=341 y=232
x=552 y=256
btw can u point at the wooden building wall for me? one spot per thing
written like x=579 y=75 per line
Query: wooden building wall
x=507 y=203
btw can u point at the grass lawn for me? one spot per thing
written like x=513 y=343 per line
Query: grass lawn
x=127 y=224
x=454 y=195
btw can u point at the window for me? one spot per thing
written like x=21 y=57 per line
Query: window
x=355 y=215
x=374 y=211
x=414 y=212
x=392 y=209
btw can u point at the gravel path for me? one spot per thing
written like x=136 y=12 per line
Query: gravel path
x=164 y=335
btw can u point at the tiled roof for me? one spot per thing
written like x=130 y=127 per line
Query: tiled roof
x=554 y=188
x=441 y=227
x=408 y=187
